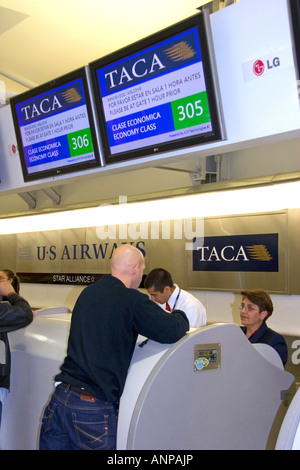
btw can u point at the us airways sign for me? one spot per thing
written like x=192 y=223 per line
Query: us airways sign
x=236 y=253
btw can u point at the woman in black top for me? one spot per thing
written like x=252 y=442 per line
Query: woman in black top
x=255 y=308
x=15 y=313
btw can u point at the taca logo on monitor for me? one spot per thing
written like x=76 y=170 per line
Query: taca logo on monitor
x=51 y=103
x=159 y=59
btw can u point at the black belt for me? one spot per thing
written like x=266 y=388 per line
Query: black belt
x=86 y=396
x=73 y=387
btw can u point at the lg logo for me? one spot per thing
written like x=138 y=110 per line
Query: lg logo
x=259 y=66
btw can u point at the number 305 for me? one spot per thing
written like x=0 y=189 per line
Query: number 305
x=190 y=110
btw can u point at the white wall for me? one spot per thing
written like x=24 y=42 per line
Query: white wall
x=221 y=306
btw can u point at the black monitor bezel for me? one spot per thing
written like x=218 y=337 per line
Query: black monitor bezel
x=80 y=73
x=200 y=21
x=295 y=21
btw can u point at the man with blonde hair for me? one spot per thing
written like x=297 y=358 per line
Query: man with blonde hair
x=106 y=320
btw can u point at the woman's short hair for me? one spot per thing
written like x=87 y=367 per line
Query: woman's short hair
x=260 y=298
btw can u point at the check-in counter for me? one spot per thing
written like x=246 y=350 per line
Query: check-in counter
x=210 y=390
x=36 y=354
x=289 y=435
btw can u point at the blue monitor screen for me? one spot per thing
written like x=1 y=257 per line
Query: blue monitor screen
x=158 y=94
x=55 y=128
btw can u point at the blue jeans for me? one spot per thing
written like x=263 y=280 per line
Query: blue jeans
x=73 y=420
x=3 y=396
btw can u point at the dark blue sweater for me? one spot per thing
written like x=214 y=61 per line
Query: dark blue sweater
x=106 y=321
x=265 y=335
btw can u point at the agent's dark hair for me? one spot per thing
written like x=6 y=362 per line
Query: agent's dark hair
x=15 y=279
x=260 y=298
x=158 y=278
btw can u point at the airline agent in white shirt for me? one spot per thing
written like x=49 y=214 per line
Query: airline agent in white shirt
x=160 y=287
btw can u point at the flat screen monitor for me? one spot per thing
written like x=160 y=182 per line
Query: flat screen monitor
x=55 y=127
x=159 y=93
x=295 y=20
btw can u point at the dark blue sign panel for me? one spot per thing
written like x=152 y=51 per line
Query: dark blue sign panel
x=160 y=59
x=51 y=103
x=236 y=253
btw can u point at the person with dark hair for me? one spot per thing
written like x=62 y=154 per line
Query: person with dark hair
x=255 y=309
x=160 y=287
x=8 y=275
x=15 y=313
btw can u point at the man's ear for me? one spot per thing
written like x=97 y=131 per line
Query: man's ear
x=135 y=269
x=167 y=290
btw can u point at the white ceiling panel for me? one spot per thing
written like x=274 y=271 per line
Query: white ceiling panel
x=41 y=40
